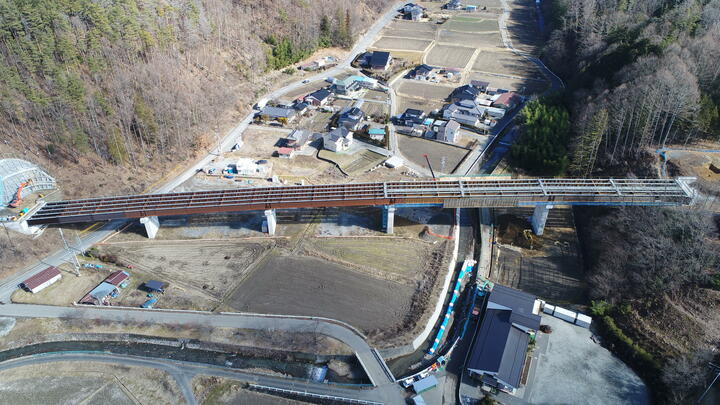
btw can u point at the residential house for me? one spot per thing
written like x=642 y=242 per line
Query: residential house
x=453 y=5
x=350 y=118
x=466 y=92
x=283 y=115
x=380 y=60
x=376 y=134
x=421 y=72
x=301 y=107
x=446 y=131
x=298 y=139
x=412 y=116
x=413 y=12
x=352 y=84
x=480 y=85
x=319 y=98
x=338 y=140
x=465 y=112
x=498 y=355
x=287 y=153
x=507 y=101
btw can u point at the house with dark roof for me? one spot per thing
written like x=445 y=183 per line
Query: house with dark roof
x=420 y=72
x=453 y=5
x=338 y=140
x=465 y=112
x=500 y=349
x=466 y=92
x=380 y=60
x=284 y=115
x=319 y=97
x=480 y=85
x=350 y=118
x=412 y=116
x=298 y=139
x=413 y=11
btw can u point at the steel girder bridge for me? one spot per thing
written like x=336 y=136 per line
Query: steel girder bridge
x=540 y=193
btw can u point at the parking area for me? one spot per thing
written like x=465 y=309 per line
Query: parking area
x=572 y=369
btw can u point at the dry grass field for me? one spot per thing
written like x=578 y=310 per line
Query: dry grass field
x=522 y=86
x=418 y=89
x=223 y=391
x=412 y=25
x=482 y=40
x=402 y=44
x=403 y=103
x=86 y=383
x=449 y=56
x=70 y=288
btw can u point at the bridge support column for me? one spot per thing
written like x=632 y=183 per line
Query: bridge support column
x=271 y=220
x=389 y=218
x=152 y=224
x=539 y=218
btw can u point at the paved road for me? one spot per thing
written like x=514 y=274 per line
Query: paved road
x=386 y=389
x=184 y=372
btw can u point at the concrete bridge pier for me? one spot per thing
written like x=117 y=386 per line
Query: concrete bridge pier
x=152 y=225
x=389 y=218
x=271 y=220
x=539 y=218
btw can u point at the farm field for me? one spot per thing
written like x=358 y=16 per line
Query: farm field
x=506 y=63
x=298 y=285
x=415 y=34
x=418 y=89
x=449 y=56
x=522 y=86
x=482 y=40
x=466 y=24
x=402 y=44
x=443 y=157
x=484 y=3
x=412 y=25
x=376 y=109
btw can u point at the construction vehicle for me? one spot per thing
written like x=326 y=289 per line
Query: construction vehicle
x=18 y=197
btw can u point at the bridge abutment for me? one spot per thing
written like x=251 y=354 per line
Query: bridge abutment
x=152 y=225
x=271 y=221
x=539 y=218
x=389 y=218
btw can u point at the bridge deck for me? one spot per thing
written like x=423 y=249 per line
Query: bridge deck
x=458 y=193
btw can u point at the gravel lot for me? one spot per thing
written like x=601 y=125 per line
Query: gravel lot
x=402 y=44
x=443 y=157
x=483 y=40
x=449 y=56
x=418 y=89
x=576 y=370
x=300 y=285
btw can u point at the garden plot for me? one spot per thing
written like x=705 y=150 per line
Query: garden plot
x=402 y=44
x=418 y=89
x=482 y=40
x=467 y=24
x=506 y=63
x=449 y=56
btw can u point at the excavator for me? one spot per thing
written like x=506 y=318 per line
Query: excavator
x=18 y=196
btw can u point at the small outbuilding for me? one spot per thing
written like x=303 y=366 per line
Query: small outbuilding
x=42 y=280
x=154 y=286
x=117 y=277
x=425 y=384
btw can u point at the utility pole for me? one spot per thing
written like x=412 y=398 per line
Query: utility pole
x=74 y=257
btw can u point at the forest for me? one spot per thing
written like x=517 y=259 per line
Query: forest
x=640 y=74
x=128 y=80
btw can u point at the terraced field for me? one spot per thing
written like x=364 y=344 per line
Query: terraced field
x=402 y=44
x=450 y=56
x=482 y=40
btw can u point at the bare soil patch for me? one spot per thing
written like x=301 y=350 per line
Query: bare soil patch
x=481 y=40
x=426 y=105
x=506 y=63
x=466 y=24
x=415 y=34
x=443 y=157
x=402 y=44
x=298 y=285
x=522 y=86
x=449 y=56
x=413 y=26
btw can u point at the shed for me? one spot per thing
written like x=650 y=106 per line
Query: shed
x=286 y=153
x=154 y=285
x=418 y=400
x=117 y=277
x=42 y=279
x=102 y=291
x=425 y=384
x=149 y=303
